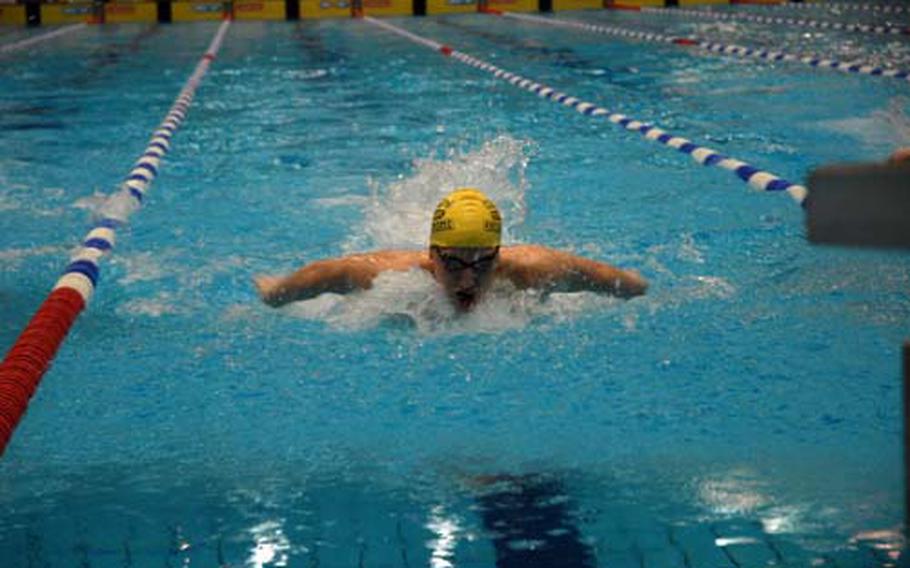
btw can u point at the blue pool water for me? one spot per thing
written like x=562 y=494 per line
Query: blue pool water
x=745 y=412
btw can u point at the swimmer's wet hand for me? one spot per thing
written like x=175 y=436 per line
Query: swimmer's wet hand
x=900 y=156
x=268 y=288
x=634 y=284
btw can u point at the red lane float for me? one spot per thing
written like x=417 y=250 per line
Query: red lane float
x=31 y=355
x=25 y=364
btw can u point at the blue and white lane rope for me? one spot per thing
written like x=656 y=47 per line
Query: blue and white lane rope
x=606 y=30
x=17 y=45
x=814 y=24
x=756 y=178
x=724 y=48
x=880 y=8
x=82 y=272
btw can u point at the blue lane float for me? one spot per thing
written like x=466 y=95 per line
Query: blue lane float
x=755 y=177
x=856 y=67
x=811 y=60
x=833 y=6
x=83 y=270
x=883 y=29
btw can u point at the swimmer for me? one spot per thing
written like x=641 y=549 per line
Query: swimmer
x=464 y=257
x=900 y=156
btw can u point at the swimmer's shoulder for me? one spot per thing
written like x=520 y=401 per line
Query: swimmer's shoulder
x=523 y=257
x=520 y=253
x=524 y=265
x=393 y=259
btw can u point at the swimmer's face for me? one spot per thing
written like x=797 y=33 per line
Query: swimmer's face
x=464 y=273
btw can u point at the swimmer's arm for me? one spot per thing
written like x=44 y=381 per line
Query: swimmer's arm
x=540 y=267
x=337 y=275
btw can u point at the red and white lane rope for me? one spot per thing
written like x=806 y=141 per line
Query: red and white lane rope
x=15 y=46
x=756 y=178
x=31 y=355
x=857 y=67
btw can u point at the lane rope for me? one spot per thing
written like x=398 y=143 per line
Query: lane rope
x=756 y=178
x=29 y=358
x=857 y=67
x=882 y=8
x=776 y=20
x=17 y=45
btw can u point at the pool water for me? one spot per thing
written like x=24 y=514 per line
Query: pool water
x=745 y=412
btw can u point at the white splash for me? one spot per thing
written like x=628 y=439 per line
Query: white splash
x=341 y=201
x=119 y=205
x=690 y=251
x=889 y=126
x=413 y=299
x=398 y=216
x=895 y=116
x=92 y=203
x=155 y=306
x=141 y=267
x=706 y=287
x=16 y=255
x=303 y=74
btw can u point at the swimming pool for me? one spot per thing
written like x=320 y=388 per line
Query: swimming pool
x=746 y=411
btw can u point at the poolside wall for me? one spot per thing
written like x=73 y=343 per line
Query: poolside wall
x=124 y=11
x=12 y=14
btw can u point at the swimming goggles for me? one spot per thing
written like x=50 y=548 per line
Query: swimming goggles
x=453 y=263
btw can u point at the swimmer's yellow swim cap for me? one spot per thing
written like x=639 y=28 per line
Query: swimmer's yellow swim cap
x=466 y=218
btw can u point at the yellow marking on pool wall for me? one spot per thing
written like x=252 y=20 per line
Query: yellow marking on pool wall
x=559 y=5
x=451 y=6
x=54 y=14
x=259 y=10
x=388 y=8
x=648 y=3
x=513 y=5
x=126 y=11
x=196 y=11
x=310 y=9
x=14 y=15
x=129 y=13
x=701 y=2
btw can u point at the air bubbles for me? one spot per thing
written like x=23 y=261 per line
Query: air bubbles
x=119 y=206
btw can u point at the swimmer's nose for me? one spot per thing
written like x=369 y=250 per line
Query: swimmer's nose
x=467 y=279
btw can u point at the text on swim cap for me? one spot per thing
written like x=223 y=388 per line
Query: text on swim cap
x=442 y=225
